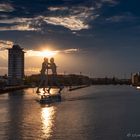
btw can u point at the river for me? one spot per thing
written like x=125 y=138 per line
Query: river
x=93 y=113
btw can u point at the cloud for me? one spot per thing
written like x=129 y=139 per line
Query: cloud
x=19 y=24
x=21 y=27
x=57 y=8
x=71 y=22
x=47 y=53
x=100 y=4
x=15 y=20
x=76 y=19
x=6 y=7
x=114 y=2
x=127 y=17
x=71 y=50
x=116 y=18
x=5 y=44
x=2 y=16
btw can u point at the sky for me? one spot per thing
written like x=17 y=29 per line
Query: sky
x=96 y=37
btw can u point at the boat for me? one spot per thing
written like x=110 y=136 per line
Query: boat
x=48 y=99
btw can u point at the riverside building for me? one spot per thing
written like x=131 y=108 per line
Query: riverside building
x=15 y=65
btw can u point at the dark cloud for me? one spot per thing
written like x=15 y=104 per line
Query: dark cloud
x=101 y=28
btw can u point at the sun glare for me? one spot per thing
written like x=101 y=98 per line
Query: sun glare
x=48 y=53
x=41 y=53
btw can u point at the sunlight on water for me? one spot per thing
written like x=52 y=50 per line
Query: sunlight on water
x=138 y=87
x=47 y=118
x=52 y=91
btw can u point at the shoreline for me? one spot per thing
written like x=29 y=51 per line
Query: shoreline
x=12 y=88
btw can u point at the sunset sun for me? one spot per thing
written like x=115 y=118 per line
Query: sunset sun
x=41 y=53
x=47 y=53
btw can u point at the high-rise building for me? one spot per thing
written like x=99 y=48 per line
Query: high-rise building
x=15 y=65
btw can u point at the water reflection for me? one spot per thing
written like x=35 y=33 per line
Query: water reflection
x=15 y=112
x=52 y=91
x=47 y=118
x=138 y=87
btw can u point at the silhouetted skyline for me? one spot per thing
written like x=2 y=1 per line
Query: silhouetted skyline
x=95 y=37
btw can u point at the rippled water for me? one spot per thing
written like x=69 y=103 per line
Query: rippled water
x=93 y=113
